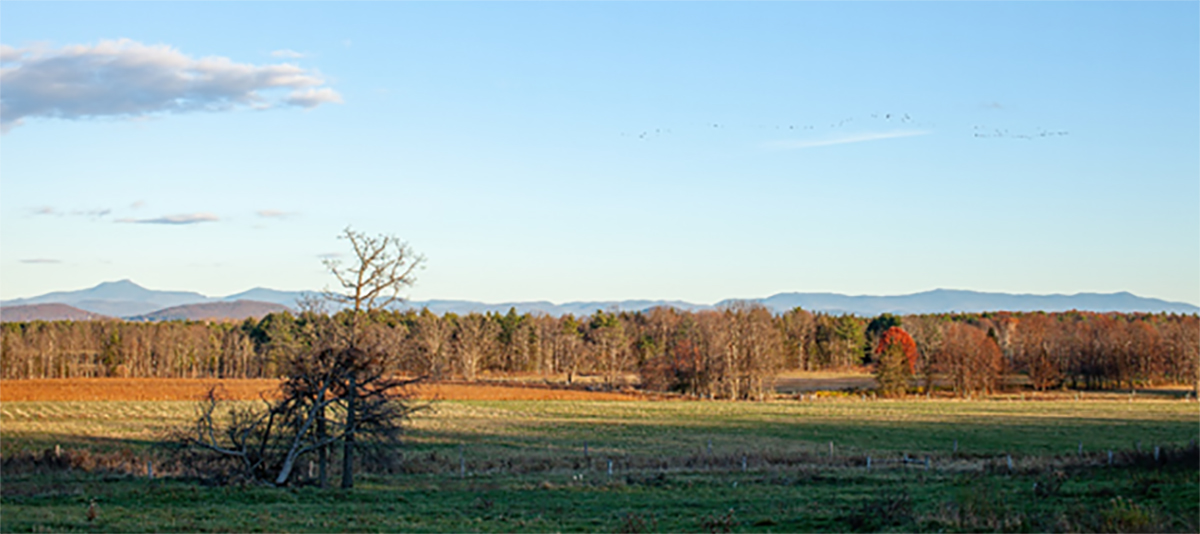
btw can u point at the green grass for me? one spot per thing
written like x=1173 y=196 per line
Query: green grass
x=762 y=502
x=527 y=472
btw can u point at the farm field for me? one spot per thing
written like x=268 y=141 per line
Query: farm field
x=189 y=389
x=536 y=465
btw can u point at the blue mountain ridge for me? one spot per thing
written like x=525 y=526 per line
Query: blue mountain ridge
x=125 y=298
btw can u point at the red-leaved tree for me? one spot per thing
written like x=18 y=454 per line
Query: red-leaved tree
x=897 y=336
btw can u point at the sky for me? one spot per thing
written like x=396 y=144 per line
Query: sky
x=604 y=151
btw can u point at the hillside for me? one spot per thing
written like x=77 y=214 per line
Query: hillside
x=46 y=312
x=236 y=310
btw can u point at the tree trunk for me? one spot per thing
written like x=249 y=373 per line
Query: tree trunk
x=322 y=451
x=348 y=443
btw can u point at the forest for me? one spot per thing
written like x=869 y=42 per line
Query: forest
x=732 y=353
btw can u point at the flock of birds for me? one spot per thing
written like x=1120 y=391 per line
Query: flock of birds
x=984 y=132
x=901 y=118
x=875 y=119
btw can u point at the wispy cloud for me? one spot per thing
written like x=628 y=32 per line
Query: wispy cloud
x=276 y=214
x=128 y=79
x=187 y=218
x=94 y=213
x=847 y=139
x=40 y=260
x=137 y=204
x=287 y=53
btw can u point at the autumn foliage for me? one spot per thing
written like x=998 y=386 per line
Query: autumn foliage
x=897 y=336
x=727 y=353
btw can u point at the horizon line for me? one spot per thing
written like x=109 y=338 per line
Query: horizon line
x=670 y=300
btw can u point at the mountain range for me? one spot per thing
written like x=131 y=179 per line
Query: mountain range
x=126 y=299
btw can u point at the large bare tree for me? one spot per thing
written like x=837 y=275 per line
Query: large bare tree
x=341 y=387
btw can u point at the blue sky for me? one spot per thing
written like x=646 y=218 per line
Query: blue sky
x=602 y=151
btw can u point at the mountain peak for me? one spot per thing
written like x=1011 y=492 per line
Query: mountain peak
x=119 y=284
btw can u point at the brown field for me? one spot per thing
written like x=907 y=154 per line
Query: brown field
x=166 y=389
x=793 y=382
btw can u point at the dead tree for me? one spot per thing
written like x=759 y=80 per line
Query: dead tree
x=383 y=266
x=343 y=386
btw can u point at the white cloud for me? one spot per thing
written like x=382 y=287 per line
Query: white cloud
x=9 y=54
x=125 y=78
x=41 y=260
x=311 y=98
x=275 y=214
x=187 y=218
x=854 y=138
x=286 y=53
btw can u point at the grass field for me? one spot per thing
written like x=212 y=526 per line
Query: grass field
x=169 y=389
x=513 y=465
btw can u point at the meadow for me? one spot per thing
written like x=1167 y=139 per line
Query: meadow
x=827 y=463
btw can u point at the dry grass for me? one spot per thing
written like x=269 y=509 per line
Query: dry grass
x=792 y=382
x=182 y=389
x=129 y=389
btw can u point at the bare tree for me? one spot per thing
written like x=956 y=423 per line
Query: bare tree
x=969 y=359
x=430 y=344
x=383 y=266
x=607 y=333
x=341 y=387
x=474 y=338
x=799 y=330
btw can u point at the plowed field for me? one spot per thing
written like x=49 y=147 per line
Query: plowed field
x=165 y=389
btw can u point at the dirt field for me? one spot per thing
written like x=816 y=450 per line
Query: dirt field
x=164 y=389
x=793 y=382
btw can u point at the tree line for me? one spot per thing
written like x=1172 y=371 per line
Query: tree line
x=735 y=352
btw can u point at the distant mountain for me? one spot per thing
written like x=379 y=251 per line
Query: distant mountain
x=127 y=299
x=290 y=299
x=951 y=300
x=121 y=299
x=936 y=301
x=236 y=310
x=46 y=312
x=463 y=307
